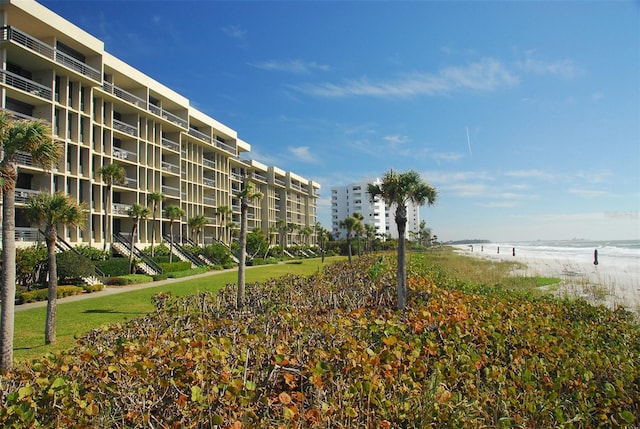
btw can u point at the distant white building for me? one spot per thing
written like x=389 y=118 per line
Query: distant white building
x=354 y=198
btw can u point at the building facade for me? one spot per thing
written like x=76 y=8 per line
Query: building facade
x=103 y=111
x=354 y=198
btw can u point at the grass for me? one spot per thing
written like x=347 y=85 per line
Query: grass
x=78 y=317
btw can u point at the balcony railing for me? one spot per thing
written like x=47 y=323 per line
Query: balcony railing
x=10 y=33
x=124 y=95
x=208 y=163
x=120 y=209
x=199 y=134
x=170 y=144
x=26 y=234
x=209 y=201
x=125 y=128
x=225 y=146
x=131 y=182
x=260 y=177
x=23 y=195
x=208 y=182
x=120 y=153
x=171 y=168
x=26 y=85
x=279 y=182
x=171 y=191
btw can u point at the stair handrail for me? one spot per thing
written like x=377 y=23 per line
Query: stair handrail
x=138 y=254
x=64 y=246
x=177 y=247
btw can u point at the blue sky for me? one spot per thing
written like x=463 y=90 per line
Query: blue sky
x=524 y=115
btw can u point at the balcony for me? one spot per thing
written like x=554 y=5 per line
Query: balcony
x=224 y=146
x=171 y=191
x=120 y=153
x=167 y=115
x=25 y=85
x=208 y=182
x=125 y=128
x=259 y=177
x=198 y=134
x=170 y=144
x=124 y=95
x=279 y=182
x=23 y=195
x=208 y=163
x=209 y=201
x=171 y=168
x=13 y=34
x=120 y=209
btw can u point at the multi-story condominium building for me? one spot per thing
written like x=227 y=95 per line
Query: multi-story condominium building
x=354 y=198
x=103 y=111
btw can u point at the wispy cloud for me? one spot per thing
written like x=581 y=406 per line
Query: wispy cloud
x=587 y=193
x=487 y=74
x=563 y=68
x=447 y=156
x=291 y=66
x=302 y=153
x=234 y=31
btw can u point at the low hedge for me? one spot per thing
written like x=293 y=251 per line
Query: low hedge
x=175 y=266
x=187 y=273
x=129 y=279
x=42 y=294
x=96 y=287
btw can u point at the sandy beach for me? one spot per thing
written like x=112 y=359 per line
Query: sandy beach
x=608 y=283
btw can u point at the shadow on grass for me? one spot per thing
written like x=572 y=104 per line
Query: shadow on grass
x=111 y=311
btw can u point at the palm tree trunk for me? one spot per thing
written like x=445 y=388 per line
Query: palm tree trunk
x=133 y=238
x=153 y=231
x=8 y=277
x=349 y=247
x=171 y=243
x=243 y=254
x=401 y=222
x=52 y=292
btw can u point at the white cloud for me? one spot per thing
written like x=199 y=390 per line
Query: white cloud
x=447 y=156
x=563 y=68
x=292 y=66
x=396 y=140
x=487 y=74
x=234 y=31
x=302 y=153
x=587 y=193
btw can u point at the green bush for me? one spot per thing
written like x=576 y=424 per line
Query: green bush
x=175 y=266
x=158 y=277
x=129 y=279
x=31 y=265
x=187 y=273
x=219 y=253
x=255 y=261
x=96 y=287
x=159 y=250
x=114 y=267
x=42 y=294
x=92 y=253
x=71 y=265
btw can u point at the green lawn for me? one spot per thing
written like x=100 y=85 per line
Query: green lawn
x=79 y=317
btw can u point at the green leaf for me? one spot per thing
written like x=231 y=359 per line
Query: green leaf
x=627 y=416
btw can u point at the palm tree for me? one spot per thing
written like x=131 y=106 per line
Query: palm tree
x=349 y=223
x=370 y=233
x=247 y=195
x=196 y=224
x=306 y=233
x=155 y=198
x=136 y=213
x=174 y=212
x=112 y=174
x=398 y=189
x=48 y=211
x=281 y=224
x=34 y=138
x=223 y=212
x=322 y=234
x=273 y=230
x=358 y=230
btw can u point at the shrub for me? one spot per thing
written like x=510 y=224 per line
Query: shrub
x=73 y=266
x=92 y=253
x=294 y=262
x=31 y=265
x=256 y=261
x=129 y=279
x=42 y=294
x=175 y=266
x=187 y=273
x=94 y=287
x=219 y=253
x=114 y=267
x=159 y=251
x=158 y=277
